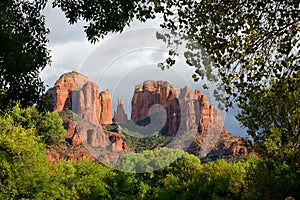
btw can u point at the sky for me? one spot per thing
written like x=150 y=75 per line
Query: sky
x=118 y=62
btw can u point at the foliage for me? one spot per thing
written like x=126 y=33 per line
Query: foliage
x=23 y=164
x=216 y=180
x=92 y=180
x=139 y=143
x=104 y=16
x=82 y=180
x=128 y=186
x=48 y=125
x=273 y=120
x=170 y=167
x=247 y=41
x=266 y=179
x=148 y=161
x=254 y=47
x=25 y=172
x=135 y=140
x=23 y=52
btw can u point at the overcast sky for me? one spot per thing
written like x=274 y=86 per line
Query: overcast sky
x=118 y=62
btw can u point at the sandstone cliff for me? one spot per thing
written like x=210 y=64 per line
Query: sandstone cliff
x=186 y=110
x=76 y=92
x=84 y=110
x=189 y=115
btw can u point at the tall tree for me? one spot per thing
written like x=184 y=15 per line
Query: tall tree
x=23 y=52
x=254 y=46
x=272 y=117
x=249 y=42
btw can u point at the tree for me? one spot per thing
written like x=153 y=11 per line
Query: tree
x=267 y=180
x=24 y=168
x=23 y=52
x=104 y=17
x=248 y=41
x=80 y=180
x=92 y=180
x=47 y=125
x=255 y=47
x=250 y=44
x=148 y=160
x=273 y=120
x=214 y=180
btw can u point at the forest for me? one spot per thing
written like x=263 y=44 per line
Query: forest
x=255 y=49
x=27 y=174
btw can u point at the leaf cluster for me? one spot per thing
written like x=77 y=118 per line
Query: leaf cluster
x=23 y=52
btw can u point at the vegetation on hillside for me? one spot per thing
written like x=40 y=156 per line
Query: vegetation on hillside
x=25 y=172
x=136 y=141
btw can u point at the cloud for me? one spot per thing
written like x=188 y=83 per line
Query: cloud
x=60 y=30
x=66 y=57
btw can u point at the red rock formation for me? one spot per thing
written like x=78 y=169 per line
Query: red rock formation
x=229 y=144
x=76 y=92
x=88 y=142
x=89 y=109
x=71 y=153
x=120 y=116
x=156 y=92
x=106 y=108
x=188 y=111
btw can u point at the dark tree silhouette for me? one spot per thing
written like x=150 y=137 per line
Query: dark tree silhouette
x=23 y=52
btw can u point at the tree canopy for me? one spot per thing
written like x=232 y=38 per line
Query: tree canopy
x=23 y=51
x=250 y=43
x=25 y=172
x=253 y=45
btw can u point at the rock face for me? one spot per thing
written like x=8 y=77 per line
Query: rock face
x=105 y=108
x=120 y=116
x=187 y=111
x=84 y=110
x=162 y=93
x=76 y=92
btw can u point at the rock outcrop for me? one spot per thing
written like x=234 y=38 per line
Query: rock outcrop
x=76 y=92
x=187 y=111
x=105 y=108
x=120 y=116
x=84 y=111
